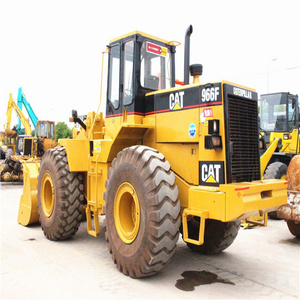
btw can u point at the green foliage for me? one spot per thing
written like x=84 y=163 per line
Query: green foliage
x=33 y=132
x=62 y=131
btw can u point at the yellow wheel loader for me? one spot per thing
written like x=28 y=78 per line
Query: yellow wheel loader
x=164 y=160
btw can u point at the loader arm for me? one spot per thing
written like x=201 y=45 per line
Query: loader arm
x=265 y=158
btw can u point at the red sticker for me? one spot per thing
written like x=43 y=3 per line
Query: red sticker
x=156 y=49
x=208 y=113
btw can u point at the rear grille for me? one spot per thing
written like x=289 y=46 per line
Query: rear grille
x=242 y=140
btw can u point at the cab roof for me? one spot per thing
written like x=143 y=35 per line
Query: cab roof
x=143 y=34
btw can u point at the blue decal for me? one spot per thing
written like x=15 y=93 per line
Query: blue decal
x=192 y=130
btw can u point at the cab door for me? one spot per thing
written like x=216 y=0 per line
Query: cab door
x=120 y=84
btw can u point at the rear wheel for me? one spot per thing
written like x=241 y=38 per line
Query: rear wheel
x=294 y=228
x=217 y=236
x=142 y=211
x=60 y=196
x=276 y=170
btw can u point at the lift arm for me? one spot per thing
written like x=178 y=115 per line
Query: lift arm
x=22 y=100
x=10 y=106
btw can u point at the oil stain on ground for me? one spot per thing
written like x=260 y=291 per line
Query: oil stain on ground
x=196 y=278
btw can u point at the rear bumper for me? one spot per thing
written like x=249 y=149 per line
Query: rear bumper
x=238 y=201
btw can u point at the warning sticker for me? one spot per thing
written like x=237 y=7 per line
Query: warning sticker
x=205 y=115
x=156 y=49
x=97 y=147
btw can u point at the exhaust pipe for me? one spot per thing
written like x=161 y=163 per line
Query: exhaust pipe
x=187 y=55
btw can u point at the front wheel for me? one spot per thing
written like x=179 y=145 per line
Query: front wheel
x=142 y=211
x=60 y=196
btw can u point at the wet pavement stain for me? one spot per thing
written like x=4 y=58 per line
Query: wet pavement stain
x=196 y=278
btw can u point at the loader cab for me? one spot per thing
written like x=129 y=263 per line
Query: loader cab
x=138 y=64
x=279 y=118
x=45 y=129
x=279 y=112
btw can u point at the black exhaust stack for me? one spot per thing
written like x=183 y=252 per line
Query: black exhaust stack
x=187 y=55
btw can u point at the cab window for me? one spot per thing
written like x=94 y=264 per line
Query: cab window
x=114 y=76
x=128 y=72
x=42 y=129
x=50 y=131
x=155 y=66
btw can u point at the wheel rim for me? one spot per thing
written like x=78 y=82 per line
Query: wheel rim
x=127 y=213
x=47 y=195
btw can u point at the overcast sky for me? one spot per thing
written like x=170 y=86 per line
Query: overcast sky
x=52 y=49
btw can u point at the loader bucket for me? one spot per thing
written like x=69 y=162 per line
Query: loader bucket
x=28 y=210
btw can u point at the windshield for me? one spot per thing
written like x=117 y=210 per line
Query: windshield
x=42 y=129
x=274 y=112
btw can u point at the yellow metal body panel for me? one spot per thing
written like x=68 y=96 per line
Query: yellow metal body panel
x=173 y=127
x=28 y=210
x=77 y=153
x=288 y=145
x=183 y=158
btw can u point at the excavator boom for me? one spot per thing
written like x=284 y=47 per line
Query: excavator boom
x=23 y=101
x=10 y=106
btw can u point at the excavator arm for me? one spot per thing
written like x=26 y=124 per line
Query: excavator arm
x=23 y=101
x=10 y=106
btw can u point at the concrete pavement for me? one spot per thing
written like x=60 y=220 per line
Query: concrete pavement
x=262 y=263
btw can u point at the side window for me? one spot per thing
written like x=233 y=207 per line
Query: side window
x=155 y=66
x=128 y=72
x=291 y=113
x=50 y=131
x=114 y=76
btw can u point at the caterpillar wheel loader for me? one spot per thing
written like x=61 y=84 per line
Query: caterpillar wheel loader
x=166 y=159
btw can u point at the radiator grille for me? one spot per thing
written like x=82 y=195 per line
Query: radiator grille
x=242 y=140
x=27 y=147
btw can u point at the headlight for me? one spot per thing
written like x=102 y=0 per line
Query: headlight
x=213 y=140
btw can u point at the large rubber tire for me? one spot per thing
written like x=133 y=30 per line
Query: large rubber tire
x=60 y=196
x=152 y=231
x=276 y=170
x=294 y=228
x=217 y=236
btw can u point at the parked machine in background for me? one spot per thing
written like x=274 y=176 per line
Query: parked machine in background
x=165 y=160
x=279 y=119
x=17 y=146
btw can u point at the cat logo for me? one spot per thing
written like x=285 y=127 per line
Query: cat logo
x=211 y=173
x=176 y=100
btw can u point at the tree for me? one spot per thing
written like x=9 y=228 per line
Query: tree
x=62 y=131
